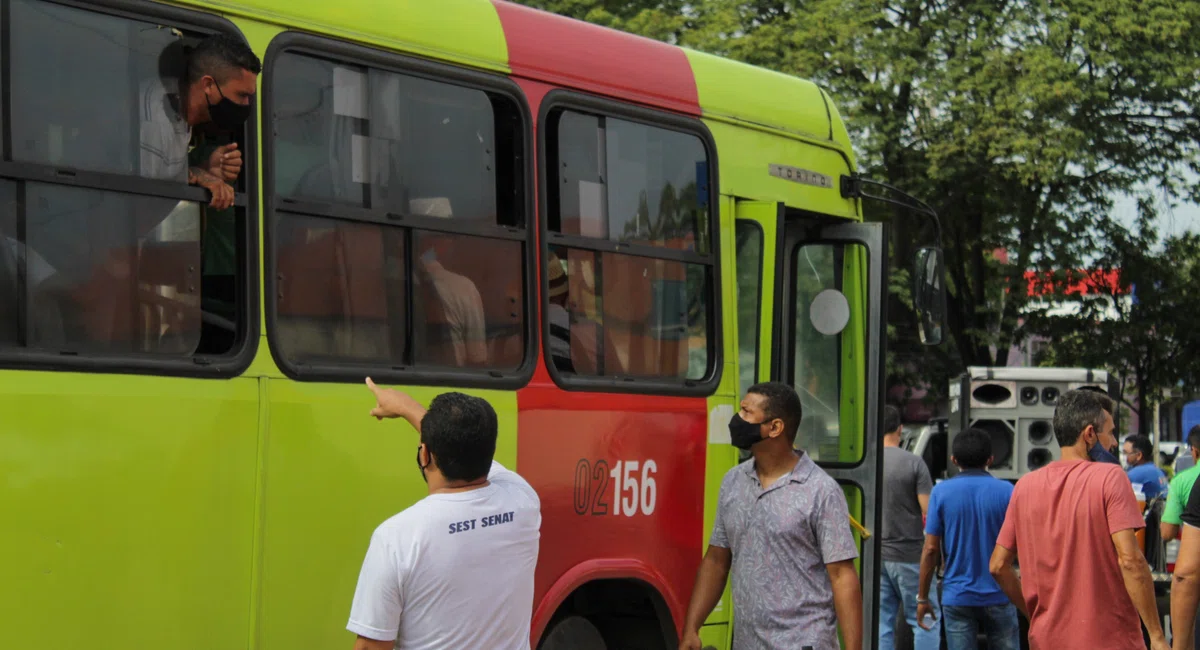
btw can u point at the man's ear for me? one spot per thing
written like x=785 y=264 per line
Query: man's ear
x=776 y=429
x=1095 y=433
x=430 y=461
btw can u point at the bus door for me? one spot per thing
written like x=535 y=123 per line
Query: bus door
x=830 y=338
x=821 y=329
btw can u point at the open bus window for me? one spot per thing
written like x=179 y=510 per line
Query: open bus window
x=368 y=164
x=629 y=216
x=110 y=263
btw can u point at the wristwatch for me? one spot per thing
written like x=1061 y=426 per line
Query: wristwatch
x=922 y=601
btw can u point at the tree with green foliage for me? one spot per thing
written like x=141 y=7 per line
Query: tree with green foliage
x=1138 y=322
x=662 y=20
x=1019 y=121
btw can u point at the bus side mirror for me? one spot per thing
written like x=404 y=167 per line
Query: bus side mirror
x=929 y=294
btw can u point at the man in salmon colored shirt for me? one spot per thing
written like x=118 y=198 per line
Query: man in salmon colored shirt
x=1083 y=582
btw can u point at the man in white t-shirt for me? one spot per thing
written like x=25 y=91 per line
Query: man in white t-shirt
x=455 y=570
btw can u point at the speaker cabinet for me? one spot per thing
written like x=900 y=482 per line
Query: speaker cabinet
x=1015 y=407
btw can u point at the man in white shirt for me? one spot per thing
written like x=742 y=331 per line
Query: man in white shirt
x=455 y=570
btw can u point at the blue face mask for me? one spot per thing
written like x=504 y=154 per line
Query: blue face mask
x=1101 y=455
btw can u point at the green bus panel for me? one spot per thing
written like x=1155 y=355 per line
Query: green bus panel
x=715 y=637
x=745 y=156
x=332 y=475
x=133 y=495
x=474 y=37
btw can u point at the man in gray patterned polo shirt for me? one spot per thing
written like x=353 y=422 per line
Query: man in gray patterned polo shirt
x=783 y=526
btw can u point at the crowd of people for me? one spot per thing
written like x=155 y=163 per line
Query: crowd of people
x=1059 y=548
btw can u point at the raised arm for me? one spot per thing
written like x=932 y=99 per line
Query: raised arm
x=391 y=403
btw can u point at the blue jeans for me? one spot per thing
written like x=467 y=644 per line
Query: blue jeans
x=998 y=623
x=897 y=585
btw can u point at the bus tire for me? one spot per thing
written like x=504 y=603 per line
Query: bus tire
x=573 y=633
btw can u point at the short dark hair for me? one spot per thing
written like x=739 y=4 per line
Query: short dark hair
x=219 y=56
x=891 y=419
x=1142 y=445
x=1105 y=401
x=972 y=448
x=1193 y=438
x=782 y=402
x=460 y=431
x=1077 y=410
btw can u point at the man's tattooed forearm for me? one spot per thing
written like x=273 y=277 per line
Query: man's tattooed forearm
x=197 y=175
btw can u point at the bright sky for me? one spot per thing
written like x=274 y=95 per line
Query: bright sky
x=1171 y=221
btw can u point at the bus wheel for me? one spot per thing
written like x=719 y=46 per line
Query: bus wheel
x=573 y=633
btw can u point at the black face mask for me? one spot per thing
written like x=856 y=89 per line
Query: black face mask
x=420 y=466
x=743 y=434
x=226 y=114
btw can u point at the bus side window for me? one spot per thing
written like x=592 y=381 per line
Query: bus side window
x=109 y=263
x=398 y=236
x=628 y=200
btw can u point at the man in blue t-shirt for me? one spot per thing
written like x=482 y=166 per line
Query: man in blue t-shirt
x=965 y=515
x=1139 y=452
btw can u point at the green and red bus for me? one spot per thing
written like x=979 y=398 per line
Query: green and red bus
x=434 y=191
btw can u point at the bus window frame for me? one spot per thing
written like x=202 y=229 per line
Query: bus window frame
x=194 y=365
x=561 y=99
x=758 y=296
x=292 y=42
x=805 y=228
